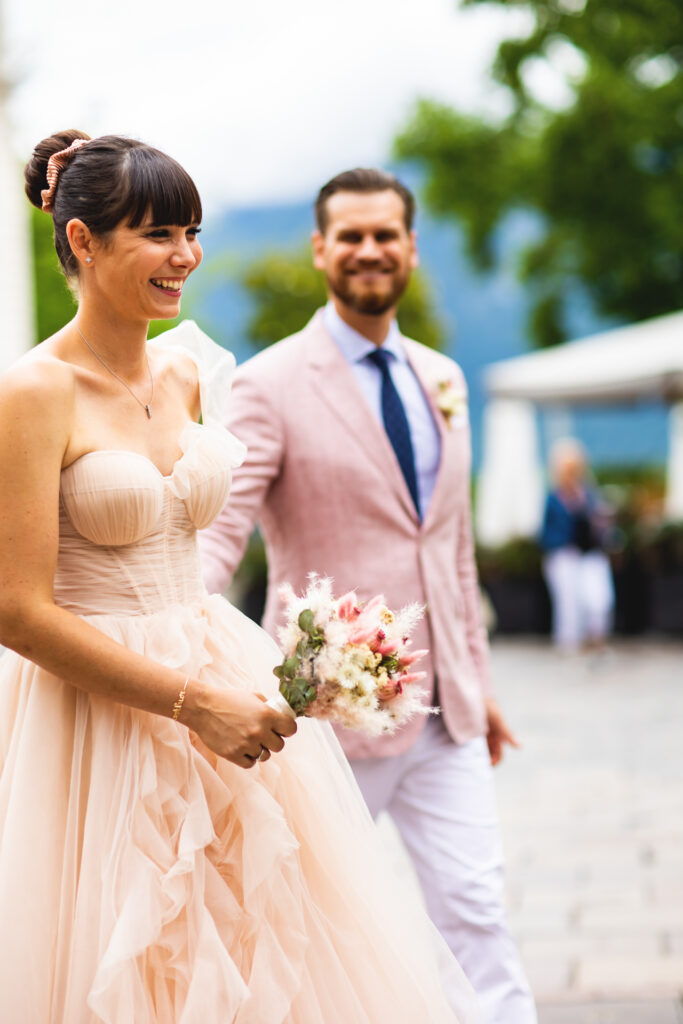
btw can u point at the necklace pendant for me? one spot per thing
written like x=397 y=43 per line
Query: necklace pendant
x=149 y=412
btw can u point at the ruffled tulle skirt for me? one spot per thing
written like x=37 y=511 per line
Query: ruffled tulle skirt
x=144 y=880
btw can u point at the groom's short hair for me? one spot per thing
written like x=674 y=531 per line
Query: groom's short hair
x=363 y=179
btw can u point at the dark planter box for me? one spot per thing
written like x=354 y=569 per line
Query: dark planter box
x=645 y=602
x=633 y=594
x=666 y=606
x=521 y=605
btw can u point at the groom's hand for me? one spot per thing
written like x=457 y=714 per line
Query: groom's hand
x=499 y=732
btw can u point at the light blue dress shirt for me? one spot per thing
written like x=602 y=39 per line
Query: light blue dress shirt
x=423 y=430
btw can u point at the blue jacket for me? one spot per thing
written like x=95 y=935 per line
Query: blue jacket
x=560 y=524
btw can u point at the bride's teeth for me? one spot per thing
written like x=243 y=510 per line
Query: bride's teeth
x=173 y=286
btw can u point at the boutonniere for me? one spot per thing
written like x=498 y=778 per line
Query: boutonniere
x=450 y=400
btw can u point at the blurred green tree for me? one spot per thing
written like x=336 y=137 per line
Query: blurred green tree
x=54 y=302
x=603 y=169
x=286 y=290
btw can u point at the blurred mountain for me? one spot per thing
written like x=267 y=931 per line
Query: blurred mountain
x=484 y=316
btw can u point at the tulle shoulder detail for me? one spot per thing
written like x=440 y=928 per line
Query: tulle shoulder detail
x=210 y=451
x=202 y=476
x=215 y=366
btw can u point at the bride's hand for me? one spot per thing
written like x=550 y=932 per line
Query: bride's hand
x=236 y=725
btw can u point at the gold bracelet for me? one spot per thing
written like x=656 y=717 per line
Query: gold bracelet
x=178 y=706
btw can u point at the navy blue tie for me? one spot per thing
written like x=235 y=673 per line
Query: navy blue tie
x=396 y=423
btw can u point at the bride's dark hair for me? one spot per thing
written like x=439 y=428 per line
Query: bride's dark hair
x=110 y=181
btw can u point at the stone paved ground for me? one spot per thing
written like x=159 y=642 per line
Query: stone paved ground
x=592 y=818
x=636 y=1011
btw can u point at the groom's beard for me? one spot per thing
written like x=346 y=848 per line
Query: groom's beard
x=369 y=301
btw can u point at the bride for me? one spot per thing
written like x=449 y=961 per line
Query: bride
x=170 y=851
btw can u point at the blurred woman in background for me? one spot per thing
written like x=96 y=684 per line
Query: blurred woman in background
x=576 y=568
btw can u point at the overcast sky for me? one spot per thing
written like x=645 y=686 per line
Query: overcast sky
x=261 y=100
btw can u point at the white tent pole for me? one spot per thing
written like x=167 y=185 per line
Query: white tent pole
x=15 y=252
x=510 y=487
x=674 y=476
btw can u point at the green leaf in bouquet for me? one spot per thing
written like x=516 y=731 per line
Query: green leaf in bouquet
x=390 y=662
x=316 y=640
x=302 y=648
x=291 y=666
x=306 y=621
x=298 y=693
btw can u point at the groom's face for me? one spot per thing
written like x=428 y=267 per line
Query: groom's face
x=366 y=252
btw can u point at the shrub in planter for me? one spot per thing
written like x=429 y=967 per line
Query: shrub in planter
x=511 y=577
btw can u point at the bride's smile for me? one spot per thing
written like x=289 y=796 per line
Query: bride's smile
x=141 y=271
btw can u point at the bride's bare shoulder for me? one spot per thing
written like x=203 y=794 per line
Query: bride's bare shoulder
x=179 y=371
x=40 y=381
x=178 y=364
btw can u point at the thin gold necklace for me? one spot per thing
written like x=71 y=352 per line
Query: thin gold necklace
x=147 y=406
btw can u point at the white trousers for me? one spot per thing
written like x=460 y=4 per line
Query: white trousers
x=581 y=595
x=441 y=797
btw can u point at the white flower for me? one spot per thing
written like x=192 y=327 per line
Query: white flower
x=450 y=400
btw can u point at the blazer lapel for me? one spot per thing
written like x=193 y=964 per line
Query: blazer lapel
x=334 y=381
x=421 y=371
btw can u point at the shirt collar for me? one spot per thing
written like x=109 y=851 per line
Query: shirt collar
x=353 y=345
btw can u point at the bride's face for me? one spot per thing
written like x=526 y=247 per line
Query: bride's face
x=141 y=271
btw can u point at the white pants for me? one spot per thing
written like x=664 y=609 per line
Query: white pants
x=581 y=595
x=441 y=797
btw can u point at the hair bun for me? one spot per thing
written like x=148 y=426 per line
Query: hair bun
x=35 y=172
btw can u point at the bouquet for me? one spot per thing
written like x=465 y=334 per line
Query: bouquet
x=347 y=662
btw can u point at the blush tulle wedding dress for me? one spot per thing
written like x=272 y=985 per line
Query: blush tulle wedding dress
x=143 y=879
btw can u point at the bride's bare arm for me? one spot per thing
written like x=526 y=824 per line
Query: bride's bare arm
x=36 y=414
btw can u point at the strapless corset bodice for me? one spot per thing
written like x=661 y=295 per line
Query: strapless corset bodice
x=127 y=533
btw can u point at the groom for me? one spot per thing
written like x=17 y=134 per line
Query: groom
x=358 y=469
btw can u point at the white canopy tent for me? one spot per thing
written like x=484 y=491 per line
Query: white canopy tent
x=620 y=366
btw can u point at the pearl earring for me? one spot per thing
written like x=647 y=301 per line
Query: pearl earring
x=88 y=259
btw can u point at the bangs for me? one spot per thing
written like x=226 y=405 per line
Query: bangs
x=159 y=187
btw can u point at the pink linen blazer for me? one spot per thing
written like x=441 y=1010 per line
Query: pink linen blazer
x=322 y=481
